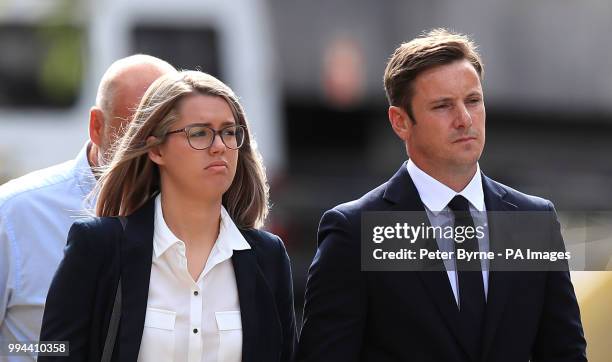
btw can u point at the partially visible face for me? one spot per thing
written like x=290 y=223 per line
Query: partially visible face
x=207 y=172
x=449 y=115
x=132 y=85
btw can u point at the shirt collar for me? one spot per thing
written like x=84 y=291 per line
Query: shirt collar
x=229 y=239
x=85 y=177
x=436 y=196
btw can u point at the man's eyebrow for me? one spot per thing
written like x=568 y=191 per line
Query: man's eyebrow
x=449 y=99
x=441 y=100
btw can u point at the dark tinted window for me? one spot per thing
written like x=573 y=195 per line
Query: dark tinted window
x=184 y=47
x=41 y=66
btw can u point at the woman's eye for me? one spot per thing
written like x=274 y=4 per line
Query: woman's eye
x=199 y=133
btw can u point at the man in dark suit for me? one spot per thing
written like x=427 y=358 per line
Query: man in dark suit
x=433 y=85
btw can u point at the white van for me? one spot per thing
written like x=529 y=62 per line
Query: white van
x=53 y=53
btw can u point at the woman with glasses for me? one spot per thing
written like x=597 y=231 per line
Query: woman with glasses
x=175 y=268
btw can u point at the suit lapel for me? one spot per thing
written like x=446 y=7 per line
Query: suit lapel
x=137 y=255
x=500 y=283
x=245 y=268
x=261 y=329
x=403 y=196
x=136 y=259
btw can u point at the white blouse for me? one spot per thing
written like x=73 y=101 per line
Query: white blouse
x=187 y=320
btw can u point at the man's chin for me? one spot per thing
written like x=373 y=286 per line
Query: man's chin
x=467 y=163
x=469 y=157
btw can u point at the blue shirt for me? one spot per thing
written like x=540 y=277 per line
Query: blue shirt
x=36 y=212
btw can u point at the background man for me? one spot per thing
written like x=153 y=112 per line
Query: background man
x=433 y=85
x=37 y=210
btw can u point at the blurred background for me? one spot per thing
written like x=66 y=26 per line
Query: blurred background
x=309 y=74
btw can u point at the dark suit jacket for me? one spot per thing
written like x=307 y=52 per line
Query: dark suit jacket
x=80 y=300
x=350 y=315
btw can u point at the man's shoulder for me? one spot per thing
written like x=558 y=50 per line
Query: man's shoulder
x=52 y=179
x=373 y=200
x=523 y=201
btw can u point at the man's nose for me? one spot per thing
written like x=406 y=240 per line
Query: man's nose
x=463 y=117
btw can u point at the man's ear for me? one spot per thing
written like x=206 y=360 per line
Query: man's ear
x=400 y=122
x=154 y=152
x=96 y=126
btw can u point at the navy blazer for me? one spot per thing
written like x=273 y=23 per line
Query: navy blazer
x=350 y=315
x=98 y=252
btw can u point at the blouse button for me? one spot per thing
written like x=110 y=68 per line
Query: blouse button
x=195 y=292
x=195 y=330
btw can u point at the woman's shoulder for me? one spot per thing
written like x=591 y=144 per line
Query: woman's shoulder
x=94 y=232
x=264 y=242
x=94 y=224
x=271 y=255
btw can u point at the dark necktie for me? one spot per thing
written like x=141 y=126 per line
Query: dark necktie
x=471 y=288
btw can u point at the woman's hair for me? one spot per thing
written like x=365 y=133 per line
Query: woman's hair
x=131 y=178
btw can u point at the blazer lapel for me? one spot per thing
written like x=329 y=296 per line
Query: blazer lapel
x=403 y=196
x=500 y=282
x=245 y=268
x=136 y=259
x=261 y=329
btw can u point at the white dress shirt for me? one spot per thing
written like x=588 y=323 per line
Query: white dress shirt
x=187 y=320
x=436 y=196
x=36 y=212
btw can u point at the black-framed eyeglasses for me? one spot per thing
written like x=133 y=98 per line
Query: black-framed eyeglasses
x=201 y=137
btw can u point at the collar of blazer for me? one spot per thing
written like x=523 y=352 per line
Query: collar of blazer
x=402 y=195
x=400 y=190
x=136 y=259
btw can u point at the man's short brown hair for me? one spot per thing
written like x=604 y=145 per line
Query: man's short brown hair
x=437 y=47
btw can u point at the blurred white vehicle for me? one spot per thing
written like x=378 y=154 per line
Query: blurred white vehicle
x=53 y=53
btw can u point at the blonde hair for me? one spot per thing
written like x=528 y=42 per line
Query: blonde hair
x=131 y=178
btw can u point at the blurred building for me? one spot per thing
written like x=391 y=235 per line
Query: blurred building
x=55 y=51
x=310 y=76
